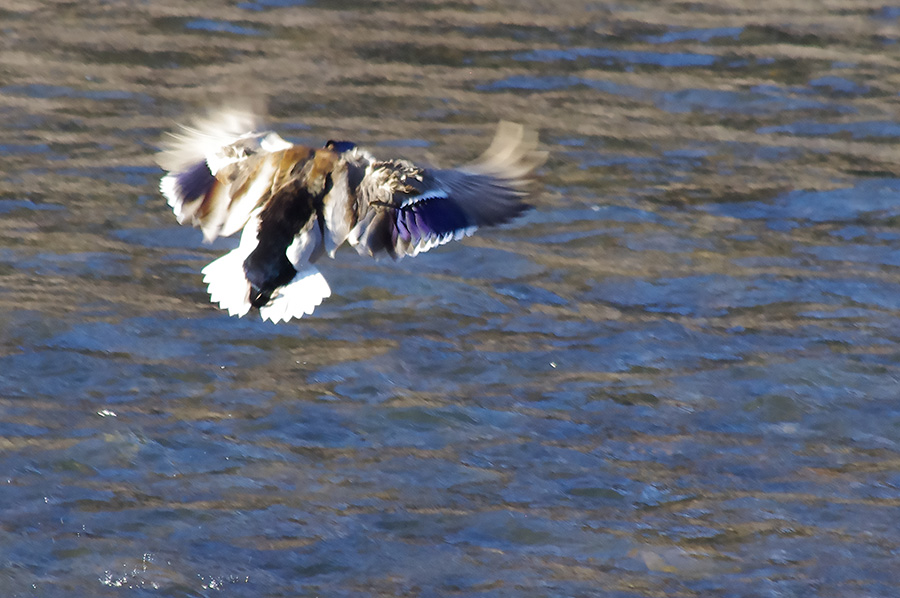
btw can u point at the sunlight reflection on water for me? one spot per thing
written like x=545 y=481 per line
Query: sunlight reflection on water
x=676 y=375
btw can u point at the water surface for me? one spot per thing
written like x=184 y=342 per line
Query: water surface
x=677 y=375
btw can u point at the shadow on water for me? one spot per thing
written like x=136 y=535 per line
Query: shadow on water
x=676 y=376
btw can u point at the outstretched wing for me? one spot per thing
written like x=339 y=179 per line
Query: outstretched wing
x=404 y=210
x=225 y=175
x=219 y=171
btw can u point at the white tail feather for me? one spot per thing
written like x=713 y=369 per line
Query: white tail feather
x=298 y=298
x=228 y=286
x=227 y=283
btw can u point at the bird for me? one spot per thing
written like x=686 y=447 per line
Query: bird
x=294 y=204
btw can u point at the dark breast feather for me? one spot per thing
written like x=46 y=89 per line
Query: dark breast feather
x=301 y=181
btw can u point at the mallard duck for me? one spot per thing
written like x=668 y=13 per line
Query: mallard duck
x=296 y=204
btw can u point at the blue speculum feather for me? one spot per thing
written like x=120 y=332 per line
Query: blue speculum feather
x=195 y=181
x=430 y=218
x=409 y=219
x=401 y=227
x=444 y=217
x=421 y=224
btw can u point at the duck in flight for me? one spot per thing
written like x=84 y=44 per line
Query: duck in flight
x=295 y=204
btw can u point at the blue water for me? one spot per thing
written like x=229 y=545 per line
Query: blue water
x=676 y=376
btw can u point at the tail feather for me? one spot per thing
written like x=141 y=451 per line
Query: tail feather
x=229 y=288
x=227 y=284
x=298 y=298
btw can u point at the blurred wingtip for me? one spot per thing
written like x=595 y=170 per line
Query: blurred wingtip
x=512 y=155
x=206 y=133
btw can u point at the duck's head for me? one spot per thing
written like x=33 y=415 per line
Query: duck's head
x=340 y=147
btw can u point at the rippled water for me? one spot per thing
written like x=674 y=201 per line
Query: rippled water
x=677 y=376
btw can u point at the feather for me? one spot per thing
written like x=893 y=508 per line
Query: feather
x=209 y=166
x=299 y=297
x=432 y=207
x=226 y=281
